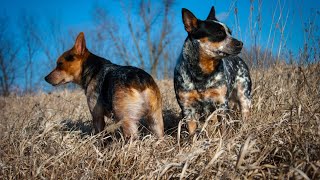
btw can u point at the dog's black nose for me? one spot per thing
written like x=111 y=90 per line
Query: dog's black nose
x=46 y=78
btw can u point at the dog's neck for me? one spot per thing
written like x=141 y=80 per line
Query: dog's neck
x=91 y=67
x=200 y=64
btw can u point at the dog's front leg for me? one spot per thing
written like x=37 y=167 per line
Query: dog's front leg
x=192 y=119
x=97 y=112
x=98 y=118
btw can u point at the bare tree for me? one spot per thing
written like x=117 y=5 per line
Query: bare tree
x=31 y=43
x=144 y=42
x=8 y=58
x=106 y=30
x=53 y=42
x=310 y=52
x=156 y=48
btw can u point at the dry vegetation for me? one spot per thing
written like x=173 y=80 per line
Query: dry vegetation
x=47 y=136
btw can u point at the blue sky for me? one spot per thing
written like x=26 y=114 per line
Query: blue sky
x=77 y=14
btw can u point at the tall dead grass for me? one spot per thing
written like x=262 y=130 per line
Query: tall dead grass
x=47 y=136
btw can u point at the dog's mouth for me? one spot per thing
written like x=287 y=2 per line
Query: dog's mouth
x=63 y=81
x=222 y=53
x=232 y=52
x=55 y=80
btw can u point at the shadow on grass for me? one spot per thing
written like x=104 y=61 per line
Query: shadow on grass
x=85 y=128
x=170 y=118
x=171 y=121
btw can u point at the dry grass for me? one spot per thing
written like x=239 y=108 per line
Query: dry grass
x=47 y=136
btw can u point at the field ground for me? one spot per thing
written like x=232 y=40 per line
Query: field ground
x=47 y=136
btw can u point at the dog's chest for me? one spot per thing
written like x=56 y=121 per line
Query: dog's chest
x=213 y=88
x=200 y=84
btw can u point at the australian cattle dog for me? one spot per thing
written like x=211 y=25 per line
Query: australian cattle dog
x=209 y=74
x=126 y=93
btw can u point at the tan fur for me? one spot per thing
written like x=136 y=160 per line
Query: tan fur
x=153 y=97
x=69 y=71
x=192 y=126
x=217 y=94
x=188 y=97
x=208 y=59
x=212 y=44
x=131 y=105
x=207 y=63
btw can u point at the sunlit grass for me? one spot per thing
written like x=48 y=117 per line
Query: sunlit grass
x=47 y=136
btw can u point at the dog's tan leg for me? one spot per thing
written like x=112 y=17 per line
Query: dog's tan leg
x=128 y=107
x=130 y=128
x=155 y=121
x=192 y=126
x=152 y=98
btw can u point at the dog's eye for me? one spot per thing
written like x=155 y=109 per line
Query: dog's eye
x=220 y=33
x=69 y=57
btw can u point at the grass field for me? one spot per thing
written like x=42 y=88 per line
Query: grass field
x=47 y=136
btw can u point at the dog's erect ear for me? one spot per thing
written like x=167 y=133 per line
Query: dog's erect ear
x=189 y=20
x=80 y=44
x=212 y=14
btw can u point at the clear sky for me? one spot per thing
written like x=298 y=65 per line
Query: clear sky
x=77 y=14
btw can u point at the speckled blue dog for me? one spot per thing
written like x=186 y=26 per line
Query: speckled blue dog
x=209 y=74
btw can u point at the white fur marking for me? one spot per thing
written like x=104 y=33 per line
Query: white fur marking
x=225 y=28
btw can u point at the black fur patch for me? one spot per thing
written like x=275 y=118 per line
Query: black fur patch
x=69 y=57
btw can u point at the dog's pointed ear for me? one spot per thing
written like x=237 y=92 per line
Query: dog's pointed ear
x=212 y=14
x=80 y=44
x=189 y=20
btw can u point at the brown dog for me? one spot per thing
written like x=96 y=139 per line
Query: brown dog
x=127 y=93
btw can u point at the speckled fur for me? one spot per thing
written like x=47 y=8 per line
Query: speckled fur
x=199 y=93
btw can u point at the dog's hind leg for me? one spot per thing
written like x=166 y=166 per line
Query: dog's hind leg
x=130 y=127
x=155 y=122
x=153 y=103
x=129 y=122
x=128 y=108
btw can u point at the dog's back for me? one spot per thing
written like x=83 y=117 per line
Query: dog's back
x=126 y=93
